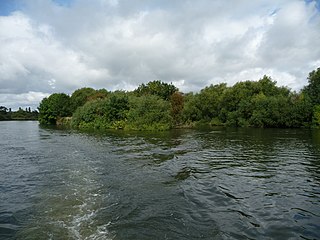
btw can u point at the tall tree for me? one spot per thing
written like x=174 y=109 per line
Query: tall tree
x=55 y=106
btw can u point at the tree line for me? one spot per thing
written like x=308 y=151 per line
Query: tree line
x=160 y=106
x=6 y=114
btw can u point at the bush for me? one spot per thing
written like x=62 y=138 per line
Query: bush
x=102 y=113
x=149 y=113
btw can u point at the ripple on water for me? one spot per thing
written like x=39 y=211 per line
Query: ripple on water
x=226 y=184
x=8 y=224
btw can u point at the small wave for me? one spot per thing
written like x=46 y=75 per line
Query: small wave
x=305 y=211
x=232 y=196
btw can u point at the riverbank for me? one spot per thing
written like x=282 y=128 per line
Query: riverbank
x=66 y=123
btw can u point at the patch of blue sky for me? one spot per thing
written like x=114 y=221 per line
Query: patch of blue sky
x=316 y=1
x=316 y=14
x=9 y=6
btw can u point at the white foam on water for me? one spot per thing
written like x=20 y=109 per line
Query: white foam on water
x=82 y=224
x=78 y=223
x=101 y=233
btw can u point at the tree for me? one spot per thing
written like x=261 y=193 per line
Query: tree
x=80 y=97
x=3 y=109
x=316 y=116
x=99 y=94
x=159 y=105
x=177 y=102
x=210 y=100
x=3 y=113
x=149 y=113
x=90 y=115
x=270 y=88
x=312 y=94
x=192 y=108
x=104 y=113
x=117 y=107
x=7 y=114
x=158 y=88
x=55 y=106
x=312 y=90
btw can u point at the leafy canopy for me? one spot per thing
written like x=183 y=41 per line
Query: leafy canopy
x=55 y=106
x=158 y=88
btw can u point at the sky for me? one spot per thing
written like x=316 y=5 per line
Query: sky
x=49 y=46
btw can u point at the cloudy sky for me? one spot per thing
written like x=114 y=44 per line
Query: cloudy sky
x=51 y=46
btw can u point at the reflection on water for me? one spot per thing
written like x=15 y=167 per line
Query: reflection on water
x=182 y=184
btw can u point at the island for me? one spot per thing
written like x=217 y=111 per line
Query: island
x=161 y=106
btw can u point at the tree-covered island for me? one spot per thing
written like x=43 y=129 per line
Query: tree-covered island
x=160 y=106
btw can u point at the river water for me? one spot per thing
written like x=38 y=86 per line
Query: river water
x=181 y=184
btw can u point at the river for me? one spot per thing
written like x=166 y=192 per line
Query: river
x=181 y=184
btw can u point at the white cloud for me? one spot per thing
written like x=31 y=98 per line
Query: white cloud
x=32 y=59
x=119 y=44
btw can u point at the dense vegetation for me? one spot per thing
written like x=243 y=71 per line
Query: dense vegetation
x=160 y=106
x=6 y=114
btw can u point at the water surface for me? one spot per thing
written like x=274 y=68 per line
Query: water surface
x=181 y=184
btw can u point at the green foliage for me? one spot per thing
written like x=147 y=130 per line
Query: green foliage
x=149 y=113
x=269 y=111
x=159 y=106
x=24 y=115
x=117 y=107
x=177 y=103
x=300 y=111
x=209 y=100
x=311 y=94
x=257 y=104
x=312 y=90
x=216 y=122
x=90 y=115
x=80 y=97
x=55 y=106
x=99 y=94
x=158 y=88
x=192 y=108
x=119 y=112
x=6 y=114
x=316 y=116
x=102 y=113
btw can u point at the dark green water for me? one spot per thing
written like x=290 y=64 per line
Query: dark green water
x=184 y=184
